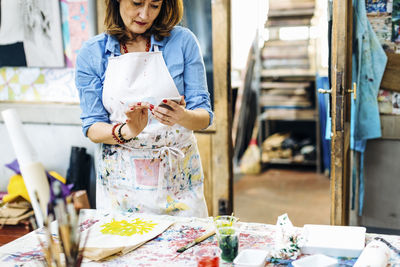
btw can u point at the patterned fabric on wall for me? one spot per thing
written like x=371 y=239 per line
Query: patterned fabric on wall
x=396 y=22
x=378 y=6
x=75 y=26
x=36 y=84
x=384 y=17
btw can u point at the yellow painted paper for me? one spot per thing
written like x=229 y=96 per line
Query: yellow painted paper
x=125 y=228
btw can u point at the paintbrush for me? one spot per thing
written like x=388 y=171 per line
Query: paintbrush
x=46 y=249
x=196 y=241
x=81 y=252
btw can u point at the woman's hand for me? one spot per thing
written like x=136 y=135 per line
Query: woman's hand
x=136 y=118
x=175 y=114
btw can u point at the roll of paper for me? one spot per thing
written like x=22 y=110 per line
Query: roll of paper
x=32 y=171
x=38 y=188
x=22 y=147
x=375 y=254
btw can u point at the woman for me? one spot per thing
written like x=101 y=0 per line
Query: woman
x=149 y=161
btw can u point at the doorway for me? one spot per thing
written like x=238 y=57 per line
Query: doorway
x=288 y=47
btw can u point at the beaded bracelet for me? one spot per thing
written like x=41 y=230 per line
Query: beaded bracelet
x=114 y=135
x=123 y=140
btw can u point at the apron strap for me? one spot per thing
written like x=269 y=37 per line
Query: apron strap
x=156 y=48
x=170 y=152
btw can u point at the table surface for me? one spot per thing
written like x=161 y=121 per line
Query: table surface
x=161 y=251
x=9 y=233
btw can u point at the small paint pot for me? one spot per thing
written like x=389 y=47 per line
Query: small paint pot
x=228 y=242
x=225 y=221
x=207 y=256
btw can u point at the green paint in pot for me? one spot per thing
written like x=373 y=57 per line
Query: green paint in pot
x=228 y=243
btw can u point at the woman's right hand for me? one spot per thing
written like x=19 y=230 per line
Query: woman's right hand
x=136 y=118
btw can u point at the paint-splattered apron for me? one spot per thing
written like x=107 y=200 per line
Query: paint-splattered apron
x=160 y=170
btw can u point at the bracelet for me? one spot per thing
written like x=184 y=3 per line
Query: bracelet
x=114 y=135
x=120 y=137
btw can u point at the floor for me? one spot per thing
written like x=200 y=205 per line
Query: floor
x=303 y=195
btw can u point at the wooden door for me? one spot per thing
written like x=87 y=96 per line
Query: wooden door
x=340 y=110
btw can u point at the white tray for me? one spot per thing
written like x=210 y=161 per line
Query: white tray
x=336 y=241
x=251 y=258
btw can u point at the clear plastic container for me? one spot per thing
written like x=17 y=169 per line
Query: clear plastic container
x=251 y=258
x=228 y=242
x=225 y=221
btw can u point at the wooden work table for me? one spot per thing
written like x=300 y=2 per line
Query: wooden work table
x=161 y=251
x=9 y=233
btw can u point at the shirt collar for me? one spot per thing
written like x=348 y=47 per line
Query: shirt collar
x=112 y=44
x=153 y=42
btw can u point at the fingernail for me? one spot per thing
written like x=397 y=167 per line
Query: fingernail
x=132 y=108
x=127 y=121
x=151 y=106
x=139 y=103
x=165 y=101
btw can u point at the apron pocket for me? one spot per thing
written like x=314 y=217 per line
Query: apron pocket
x=147 y=172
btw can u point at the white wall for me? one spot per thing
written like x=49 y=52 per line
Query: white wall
x=52 y=129
x=247 y=16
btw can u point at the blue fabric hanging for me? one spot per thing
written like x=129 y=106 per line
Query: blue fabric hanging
x=369 y=62
x=323 y=104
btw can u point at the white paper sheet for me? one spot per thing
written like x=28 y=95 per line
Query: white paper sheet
x=11 y=27
x=120 y=233
x=42 y=33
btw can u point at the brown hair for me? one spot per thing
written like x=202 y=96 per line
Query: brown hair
x=170 y=15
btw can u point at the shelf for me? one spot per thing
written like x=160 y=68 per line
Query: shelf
x=285 y=52
x=289 y=115
x=282 y=85
x=291 y=162
x=286 y=93
x=284 y=13
x=287 y=73
x=291 y=22
x=291 y=4
x=285 y=43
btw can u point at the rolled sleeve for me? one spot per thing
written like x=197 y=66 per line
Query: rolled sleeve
x=195 y=83
x=90 y=86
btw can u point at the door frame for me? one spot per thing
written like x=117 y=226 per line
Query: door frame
x=342 y=31
x=221 y=142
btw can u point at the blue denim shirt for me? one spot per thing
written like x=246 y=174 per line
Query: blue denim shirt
x=182 y=56
x=369 y=62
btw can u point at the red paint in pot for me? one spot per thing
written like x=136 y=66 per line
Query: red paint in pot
x=208 y=261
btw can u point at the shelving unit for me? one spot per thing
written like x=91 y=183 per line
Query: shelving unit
x=287 y=95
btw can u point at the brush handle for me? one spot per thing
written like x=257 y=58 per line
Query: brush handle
x=204 y=237
x=196 y=241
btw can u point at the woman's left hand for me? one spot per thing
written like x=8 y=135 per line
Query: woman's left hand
x=170 y=116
